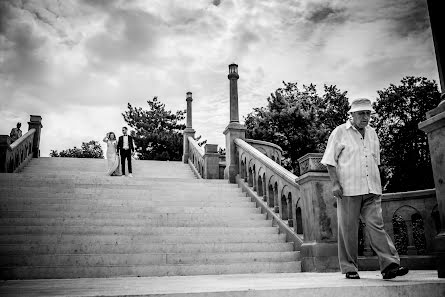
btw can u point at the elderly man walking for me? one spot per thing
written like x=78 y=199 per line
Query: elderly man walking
x=352 y=157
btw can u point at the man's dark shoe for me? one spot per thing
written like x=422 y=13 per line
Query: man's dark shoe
x=352 y=275
x=394 y=271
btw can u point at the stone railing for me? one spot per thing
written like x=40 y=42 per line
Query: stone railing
x=15 y=156
x=273 y=187
x=269 y=149
x=203 y=160
x=412 y=221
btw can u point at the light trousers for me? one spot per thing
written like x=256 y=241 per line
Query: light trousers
x=349 y=210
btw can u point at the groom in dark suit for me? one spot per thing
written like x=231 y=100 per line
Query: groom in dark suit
x=125 y=148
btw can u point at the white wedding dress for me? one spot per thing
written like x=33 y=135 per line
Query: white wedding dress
x=113 y=158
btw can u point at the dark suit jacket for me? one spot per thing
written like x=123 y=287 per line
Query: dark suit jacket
x=120 y=143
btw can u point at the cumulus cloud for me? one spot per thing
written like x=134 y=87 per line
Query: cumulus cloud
x=81 y=62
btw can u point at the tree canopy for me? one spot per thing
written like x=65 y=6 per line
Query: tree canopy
x=157 y=131
x=298 y=120
x=404 y=148
x=91 y=149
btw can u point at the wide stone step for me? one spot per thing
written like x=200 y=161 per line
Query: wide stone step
x=61 y=188
x=126 y=239
x=99 y=213
x=30 y=272
x=70 y=228
x=26 y=207
x=7 y=196
x=29 y=197
x=113 y=248
x=66 y=193
x=134 y=206
x=197 y=221
x=145 y=259
x=415 y=284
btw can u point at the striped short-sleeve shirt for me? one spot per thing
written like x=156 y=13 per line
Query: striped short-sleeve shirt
x=356 y=159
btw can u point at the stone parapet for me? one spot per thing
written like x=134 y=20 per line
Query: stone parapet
x=434 y=126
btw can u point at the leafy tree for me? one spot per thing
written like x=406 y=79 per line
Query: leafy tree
x=158 y=134
x=91 y=149
x=298 y=120
x=404 y=148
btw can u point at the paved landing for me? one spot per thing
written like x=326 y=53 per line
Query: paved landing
x=416 y=283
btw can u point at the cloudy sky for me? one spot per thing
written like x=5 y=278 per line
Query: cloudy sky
x=78 y=63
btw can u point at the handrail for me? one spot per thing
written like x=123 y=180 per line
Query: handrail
x=195 y=145
x=266 y=143
x=14 y=156
x=21 y=139
x=278 y=169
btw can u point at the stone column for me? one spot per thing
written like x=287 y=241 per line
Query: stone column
x=188 y=131
x=436 y=9
x=234 y=130
x=434 y=126
x=319 y=251
x=35 y=122
x=211 y=161
x=233 y=77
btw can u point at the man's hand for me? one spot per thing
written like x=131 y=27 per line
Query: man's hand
x=337 y=190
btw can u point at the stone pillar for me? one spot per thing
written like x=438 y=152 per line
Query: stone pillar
x=233 y=77
x=211 y=161
x=35 y=122
x=188 y=131
x=435 y=10
x=434 y=126
x=319 y=251
x=234 y=130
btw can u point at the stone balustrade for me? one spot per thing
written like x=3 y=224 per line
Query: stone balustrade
x=269 y=149
x=412 y=221
x=204 y=160
x=275 y=187
x=14 y=156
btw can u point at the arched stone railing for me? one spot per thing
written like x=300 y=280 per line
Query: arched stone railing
x=269 y=149
x=15 y=156
x=274 y=188
x=203 y=160
x=415 y=210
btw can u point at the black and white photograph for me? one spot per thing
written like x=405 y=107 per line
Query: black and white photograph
x=222 y=148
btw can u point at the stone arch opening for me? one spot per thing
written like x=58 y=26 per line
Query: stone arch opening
x=289 y=210
x=284 y=214
x=254 y=181
x=260 y=186
x=299 y=220
x=418 y=233
x=250 y=181
x=264 y=187
x=243 y=168
x=275 y=198
x=271 y=196
x=404 y=229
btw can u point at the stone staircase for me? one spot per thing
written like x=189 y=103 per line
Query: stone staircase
x=63 y=218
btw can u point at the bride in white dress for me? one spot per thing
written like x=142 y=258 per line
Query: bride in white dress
x=112 y=157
